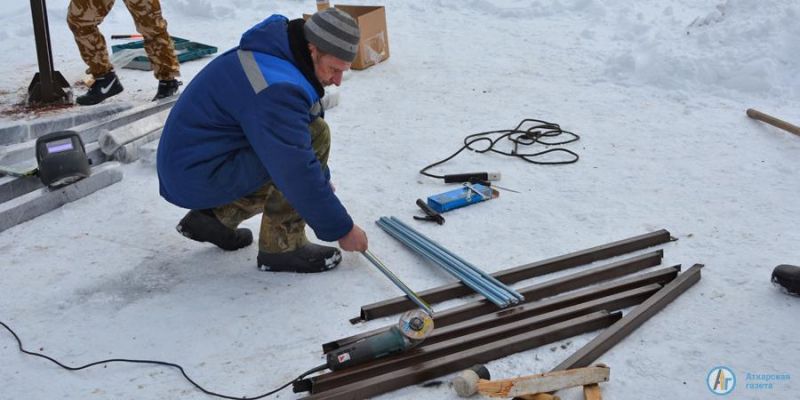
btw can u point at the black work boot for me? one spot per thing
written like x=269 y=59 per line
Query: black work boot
x=104 y=86
x=203 y=226
x=788 y=278
x=310 y=258
x=167 y=88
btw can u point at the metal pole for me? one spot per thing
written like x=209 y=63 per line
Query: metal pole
x=467 y=280
x=461 y=270
x=477 y=270
x=392 y=277
x=48 y=85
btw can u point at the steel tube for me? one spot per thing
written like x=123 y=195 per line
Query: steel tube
x=426 y=251
x=48 y=85
x=452 y=290
x=392 y=277
x=462 y=270
x=469 y=265
x=421 y=250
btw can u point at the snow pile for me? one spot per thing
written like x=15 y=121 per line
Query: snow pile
x=739 y=45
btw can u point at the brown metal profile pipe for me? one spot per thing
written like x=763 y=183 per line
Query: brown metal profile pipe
x=555 y=286
x=397 y=379
x=452 y=342
x=634 y=319
x=549 y=288
x=453 y=290
x=610 y=300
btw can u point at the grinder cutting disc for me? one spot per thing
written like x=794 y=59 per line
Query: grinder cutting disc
x=415 y=324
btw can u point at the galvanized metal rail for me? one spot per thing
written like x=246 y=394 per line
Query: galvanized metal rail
x=501 y=295
x=516 y=274
x=392 y=277
x=492 y=280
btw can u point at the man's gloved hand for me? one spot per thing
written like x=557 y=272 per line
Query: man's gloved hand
x=355 y=240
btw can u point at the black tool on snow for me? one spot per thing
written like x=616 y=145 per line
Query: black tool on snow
x=787 y=277
x=430 y=214
x=62 y=158
x=472 y=176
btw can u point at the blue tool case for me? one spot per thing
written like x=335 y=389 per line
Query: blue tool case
x=461 y=197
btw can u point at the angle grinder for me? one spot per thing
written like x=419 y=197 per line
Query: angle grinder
x=412 y=328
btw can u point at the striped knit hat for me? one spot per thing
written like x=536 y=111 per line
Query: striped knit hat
x=333 y=32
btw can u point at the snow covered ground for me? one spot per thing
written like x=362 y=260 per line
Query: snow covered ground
x=657 y=91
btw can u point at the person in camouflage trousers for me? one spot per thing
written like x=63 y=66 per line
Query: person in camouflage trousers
x=282 y=228
x=83 y=19
x=248 y=136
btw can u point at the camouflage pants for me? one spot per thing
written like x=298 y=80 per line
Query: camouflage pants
x=85 y=15
x=282 y=228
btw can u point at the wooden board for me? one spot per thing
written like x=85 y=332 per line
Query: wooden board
x=543 y=383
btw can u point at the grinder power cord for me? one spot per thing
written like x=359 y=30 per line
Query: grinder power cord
x=414 y=326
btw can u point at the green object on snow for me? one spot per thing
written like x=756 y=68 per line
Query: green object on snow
x=185 y=50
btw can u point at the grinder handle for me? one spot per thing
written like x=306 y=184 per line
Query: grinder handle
x=370 y=348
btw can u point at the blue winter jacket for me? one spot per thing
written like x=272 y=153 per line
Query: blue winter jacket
x=243 y=121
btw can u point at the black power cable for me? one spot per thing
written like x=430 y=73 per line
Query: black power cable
x=520 y=139
x=167 y=364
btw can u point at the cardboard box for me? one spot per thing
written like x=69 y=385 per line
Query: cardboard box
x=374 y=44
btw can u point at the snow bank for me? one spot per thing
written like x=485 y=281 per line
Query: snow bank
x=738 y=45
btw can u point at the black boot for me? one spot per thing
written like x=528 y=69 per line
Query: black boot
x=203 y=226
x=167 y=88
x=310 y=258
x=787 y=277
x=104 y=86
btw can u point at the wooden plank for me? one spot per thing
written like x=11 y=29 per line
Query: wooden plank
x=540 y=396
x=544 y=382
x=778 y=123
x=592 y=392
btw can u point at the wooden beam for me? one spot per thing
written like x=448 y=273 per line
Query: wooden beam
x=592 y=392
x=778 y=123
x=543 y=383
